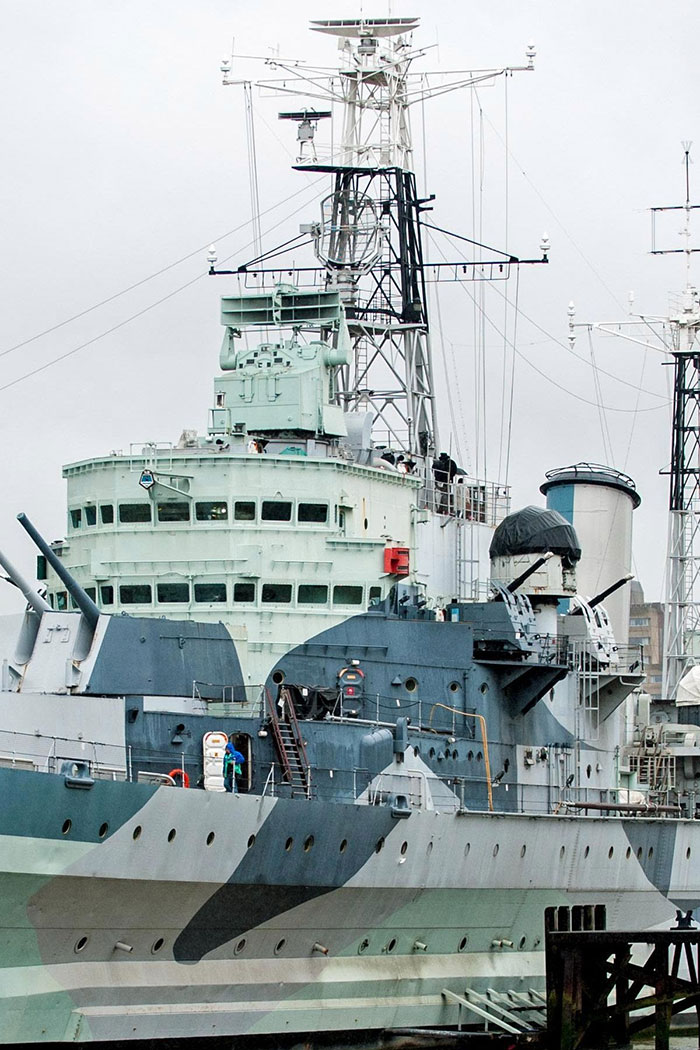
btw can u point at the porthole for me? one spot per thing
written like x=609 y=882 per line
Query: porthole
x=479 y=756
x=464 y=941
x=404 y=847
x=411 y=685
x=453 y=687
x=280 y=945
x=484 y=687
x=389 y=947
x=650 y=854
x=628 y=853
x=562 y=852
x=467 y=848
x=448 y=753
x=239 y=947
x=251 y=841
x=687 y=853
x=362 y=946
x=455 y=754
x=588 y=772
x=210 y=838
x=278 y=677
x=431 y=753
x=587 y=851
x=80 y=944
x=429 y=848
x=67 y=825
x=522 y=942
x=157 y=945
x=380 y=845
x=171 y=834
x=611 y=851
x=288 y=844
x=523 y=850
x=496 y=849
x=343 y=845
x=136 y=833
x=104 y=828
x=640 y=851
x=308 y=843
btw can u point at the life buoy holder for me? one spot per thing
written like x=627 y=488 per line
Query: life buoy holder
x=180 y=773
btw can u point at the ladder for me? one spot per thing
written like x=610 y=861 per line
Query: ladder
x=290 y=745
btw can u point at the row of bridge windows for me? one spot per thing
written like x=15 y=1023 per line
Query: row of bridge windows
x=185 y=511
x=243 y=593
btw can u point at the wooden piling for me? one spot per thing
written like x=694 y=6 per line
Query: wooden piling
x=597 y=979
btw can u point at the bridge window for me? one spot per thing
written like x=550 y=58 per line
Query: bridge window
x=61 y=601
x=375 y=595
x=312 y=594
x=276 y=510
x=211 y=511
x=107 y=594
x=106 y=513
x=277 y=592
x=76 y=517
x=91 y=593
x=312 y=513
x=211 y=592
x=244 y=510
x=347 y=595
x=173 y=592
x=244 y=592
x=91 y=515
x=134 y=513
x=174 y=511
x=135 y=593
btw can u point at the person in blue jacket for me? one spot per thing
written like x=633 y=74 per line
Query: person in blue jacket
x=233 y=767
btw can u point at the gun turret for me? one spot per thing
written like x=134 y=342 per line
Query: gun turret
x=84 y=602
x=519 y=580
x=604 y=594
x=38 y=604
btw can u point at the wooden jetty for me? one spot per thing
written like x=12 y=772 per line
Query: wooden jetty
x=598 y=979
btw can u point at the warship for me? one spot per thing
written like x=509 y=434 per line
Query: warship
x=305 y=731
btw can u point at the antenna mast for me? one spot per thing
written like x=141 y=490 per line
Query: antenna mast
x=368 y=240
x=682 y=614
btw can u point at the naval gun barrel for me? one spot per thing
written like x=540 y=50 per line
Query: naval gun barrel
x=82 y=600
x=38 y=604
x=524 y=575
x=605 y=594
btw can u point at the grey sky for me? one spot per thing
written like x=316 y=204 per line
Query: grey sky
x=123 y=154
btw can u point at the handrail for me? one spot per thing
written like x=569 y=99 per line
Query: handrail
x=282 y=751
x=484 y=741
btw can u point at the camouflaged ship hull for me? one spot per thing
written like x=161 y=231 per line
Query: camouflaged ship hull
x=139 y=912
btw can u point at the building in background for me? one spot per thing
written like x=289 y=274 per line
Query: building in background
x=647 y=630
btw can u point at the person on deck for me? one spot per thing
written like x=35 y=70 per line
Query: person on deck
x=233 y=767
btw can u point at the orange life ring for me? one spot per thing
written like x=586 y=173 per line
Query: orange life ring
x=180 y=773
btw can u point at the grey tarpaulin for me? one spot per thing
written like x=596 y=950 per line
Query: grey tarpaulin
x=534 y=530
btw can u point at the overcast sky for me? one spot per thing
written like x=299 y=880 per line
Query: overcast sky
x=123 y=154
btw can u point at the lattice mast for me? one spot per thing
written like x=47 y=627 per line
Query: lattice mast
x=682 y=612
x=368 y=240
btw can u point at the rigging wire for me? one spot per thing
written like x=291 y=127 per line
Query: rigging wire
x=564 y=346
x=156 y=273
x=504 y=351
x=252 y=167
x=605 y=432
x=145 y=310
x=556 y=218
x=512 y=377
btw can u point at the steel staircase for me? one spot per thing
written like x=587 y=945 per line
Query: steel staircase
x=290 y=745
